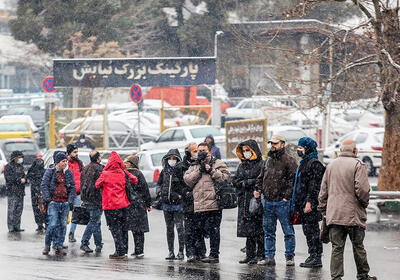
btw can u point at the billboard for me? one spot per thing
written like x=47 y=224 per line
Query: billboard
x=147 y=72
x=239 y=131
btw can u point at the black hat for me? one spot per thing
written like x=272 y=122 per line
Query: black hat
x=15 y=154
x=71 y=148
x=59 y=157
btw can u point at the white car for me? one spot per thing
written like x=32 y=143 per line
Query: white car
x=291 y=133
x=179 y=137
x=369 y=143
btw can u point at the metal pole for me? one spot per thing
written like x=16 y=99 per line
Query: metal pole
x=162 y=110
x=105 y=125
x=327 y=114
x=52 y=142
x=139 y=136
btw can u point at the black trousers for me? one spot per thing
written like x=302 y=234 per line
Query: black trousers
x=116 y=221
x=195 y=245
x=172 y=219
x=138 y=240
x=40 y=218
x=208 y=224
x=14 y=212
x=312 y=232
x=255 y=246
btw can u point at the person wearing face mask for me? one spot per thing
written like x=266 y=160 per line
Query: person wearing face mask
x=76 y=166
x=305 y=198
x=58 y=189
x=195 y=247
x=171 y=187
x=276 y=183
x=35 y=175
x=203 y=177
x=248 y=225
x=83 y=143
x=15 y=188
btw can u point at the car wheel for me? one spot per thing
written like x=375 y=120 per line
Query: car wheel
x=370 y=166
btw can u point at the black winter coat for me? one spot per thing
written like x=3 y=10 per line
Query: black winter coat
x=137 y=220
x=187 y=197
x=171 y=180
x=310 y=185
x=13 y=173
x=89 y=194
x=35 y=176
x=245 y=182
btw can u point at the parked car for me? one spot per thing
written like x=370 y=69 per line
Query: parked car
x=27 y=146
x=291 y=133
x=369 y=143
x=15 y=129
x=178 y=137
x=83 y=155
x=119 y=129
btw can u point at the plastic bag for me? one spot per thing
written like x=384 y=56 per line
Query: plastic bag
x=255 y=206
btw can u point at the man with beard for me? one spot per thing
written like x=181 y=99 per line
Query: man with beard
x=276 y=183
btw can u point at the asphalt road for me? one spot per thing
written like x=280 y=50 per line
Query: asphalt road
x=21 y=258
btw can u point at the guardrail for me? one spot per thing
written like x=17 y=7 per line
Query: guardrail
x=381 y=197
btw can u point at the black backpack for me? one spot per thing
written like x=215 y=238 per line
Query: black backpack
x=225 y=193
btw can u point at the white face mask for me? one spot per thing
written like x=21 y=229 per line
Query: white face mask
x=20 y=160
x=247 y=155
x=195 y=156
x=82 y=140
x=172 y=162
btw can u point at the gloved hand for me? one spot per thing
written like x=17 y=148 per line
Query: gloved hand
x=203 y=168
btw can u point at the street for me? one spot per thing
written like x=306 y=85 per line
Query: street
x=21 y=258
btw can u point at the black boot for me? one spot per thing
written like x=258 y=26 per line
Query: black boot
x=310 y=257
x=245 y=260
x=171 y=256
x=315 y=262
x=71 y=237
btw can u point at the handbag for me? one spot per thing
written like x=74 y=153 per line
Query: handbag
x=42 y=207
x=255 y=207
x=225 y=195
x=80 y=216
x=295 y=217
x=324 y=234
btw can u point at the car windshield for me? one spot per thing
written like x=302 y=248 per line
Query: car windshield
x=156 y=159
x=19 y=146
x=203 y=132
x=7 y=127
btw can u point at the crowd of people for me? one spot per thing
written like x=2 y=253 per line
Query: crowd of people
x=277 y=188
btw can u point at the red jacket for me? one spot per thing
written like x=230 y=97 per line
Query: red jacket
x=113 y=181
x=76 y=166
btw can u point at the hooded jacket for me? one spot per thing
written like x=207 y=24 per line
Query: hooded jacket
x=49 y=184
x=113 y=181
x=171 y=179
x=203 y=184
x=215 y=152
x=89 y=194
x=277 y=176
x=13 y=173
x=245 y=183
x=76 y=166
x=344 y=194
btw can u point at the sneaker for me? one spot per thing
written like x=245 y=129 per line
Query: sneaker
x=253 y=261
x=192 y=259
x=289 y=261
x=140 y=256
x=60 y=252
x=71 y=237
x=116 y=256
x=245 y=260
x=170 y=257
x=210 y=259
x=46 y=251
x=86 y=249
x=267 y=261
x=180 y=256
x=40 y=229
x=314 y=262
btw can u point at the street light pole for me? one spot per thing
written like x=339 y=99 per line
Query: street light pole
x=215 y=101
x=217 y=33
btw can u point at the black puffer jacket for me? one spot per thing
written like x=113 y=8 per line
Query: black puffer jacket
x=245 y=182
x=171 y=180
x=89 y=194
x=187 y=197
x=35 y=175
x=13 y=173
x=137 y=220
x=311 y=173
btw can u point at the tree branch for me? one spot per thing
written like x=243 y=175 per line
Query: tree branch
x=392 y=62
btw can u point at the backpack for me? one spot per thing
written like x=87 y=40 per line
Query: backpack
x=225 y=192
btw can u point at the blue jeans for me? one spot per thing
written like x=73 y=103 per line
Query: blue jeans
x=77 y=202
x=93 y=227
x=273 y=211
x=57 y=213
